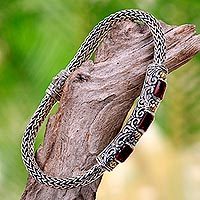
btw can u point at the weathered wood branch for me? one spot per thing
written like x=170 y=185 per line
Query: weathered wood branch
x=96 y=100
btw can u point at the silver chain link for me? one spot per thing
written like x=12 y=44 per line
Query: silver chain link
x=54 y=92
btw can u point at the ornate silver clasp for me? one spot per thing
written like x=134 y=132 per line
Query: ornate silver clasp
x=55 y=88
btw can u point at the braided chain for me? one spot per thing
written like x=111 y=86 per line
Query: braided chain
x=130 y=134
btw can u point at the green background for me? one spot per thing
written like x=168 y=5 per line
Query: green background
x=38 y=38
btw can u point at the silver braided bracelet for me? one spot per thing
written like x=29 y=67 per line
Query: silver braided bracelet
x=124 y=143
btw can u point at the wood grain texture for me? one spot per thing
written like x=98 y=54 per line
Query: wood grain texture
x=95 y=102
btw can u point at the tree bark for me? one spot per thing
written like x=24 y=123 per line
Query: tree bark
x=96 y=100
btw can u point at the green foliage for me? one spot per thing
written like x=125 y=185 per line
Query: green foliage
x=38 y=38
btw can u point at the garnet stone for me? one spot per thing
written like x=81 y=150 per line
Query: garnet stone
x=123 y=153
x=145 y=121
x=159 y=89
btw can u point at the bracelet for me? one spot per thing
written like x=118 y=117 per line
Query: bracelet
x=142 y=116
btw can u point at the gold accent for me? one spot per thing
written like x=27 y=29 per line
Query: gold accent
x=138 y=135
x=153 y=107
x=113 y=163
x=163 y=75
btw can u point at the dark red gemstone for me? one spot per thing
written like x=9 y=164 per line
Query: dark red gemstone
x=159 y=89
x=145 y=121
x=123 y=153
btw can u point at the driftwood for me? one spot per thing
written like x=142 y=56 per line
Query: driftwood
x=96 y=100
